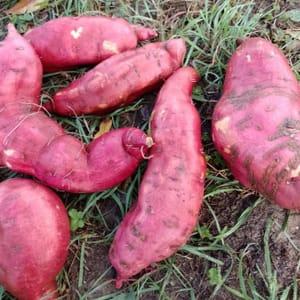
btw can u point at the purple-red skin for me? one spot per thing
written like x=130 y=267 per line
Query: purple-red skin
x=171 y=191
x=33 y=143
x=256 y=123
x=34 y=239
x=120 y=79
x=67 y=42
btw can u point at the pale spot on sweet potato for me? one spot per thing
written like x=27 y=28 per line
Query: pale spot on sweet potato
x=102 y=105
x=57 y=207
x=295 y=173
x=227 y=150
x=223 y=124
x=73 y=92
x=248 y=57
x=8 y=165
x=9 y=152
x=272 y=54
x=76 y=33
x=110 y=46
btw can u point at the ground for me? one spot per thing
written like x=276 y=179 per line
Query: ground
x=243 y=247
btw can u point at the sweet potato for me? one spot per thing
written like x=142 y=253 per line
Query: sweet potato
x=34 y=239
x=120 y=79
x=71 y=41
x=171 y=191
x=32 y=143
x=256 y=123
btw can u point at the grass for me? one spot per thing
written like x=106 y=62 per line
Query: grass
x=211 y=265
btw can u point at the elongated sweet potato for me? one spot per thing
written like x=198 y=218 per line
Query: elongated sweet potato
x=171 y=192
x=256 y=123
x=71 y=41
x=120 y=79
x=34 y=239
x=32 y=143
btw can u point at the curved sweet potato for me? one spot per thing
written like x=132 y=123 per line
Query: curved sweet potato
x=171 y=192
x=34 y=239
x=256 y=123
x=32 y=143
x=120 y=79
x=71 y=41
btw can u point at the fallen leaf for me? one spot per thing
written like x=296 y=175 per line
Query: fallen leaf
x=27 y=6
x=104 y=127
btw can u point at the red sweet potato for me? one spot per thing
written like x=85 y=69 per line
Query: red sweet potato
x=120 y=79
x=256 y=123
x=171 y=191
x=71 y=41
x=32 y=143
x=34 y=239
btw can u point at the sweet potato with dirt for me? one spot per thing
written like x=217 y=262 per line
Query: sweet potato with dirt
x=33 y=143
x=71 y=41
x=171 y=191
x=34 y=239
x=256 y=123
x=120 y=79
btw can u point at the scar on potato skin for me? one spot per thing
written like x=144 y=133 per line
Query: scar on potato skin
x=137 y=233
x=149 y=210
x=245 y=122
x=256 y=92
x=288 y=127
x=129 y=246
x=172 y=222
x=123 y=263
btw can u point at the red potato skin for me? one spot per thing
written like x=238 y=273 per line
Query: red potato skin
x=32 y=143
x=67 y=42
x=171 y=191
x=256 y=123
x=34 y=239
x=120 y=79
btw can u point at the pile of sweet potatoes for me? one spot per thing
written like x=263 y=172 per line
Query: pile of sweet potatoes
x=255 y=127
x=32 y=143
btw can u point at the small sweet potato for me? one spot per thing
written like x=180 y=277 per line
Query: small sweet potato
x=171 y=191
x=32 y=143
x=34 y=239
x=256 y=123
x=120 y=79
x=71 y=41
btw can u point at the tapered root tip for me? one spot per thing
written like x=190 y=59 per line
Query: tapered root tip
x=144 y=33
